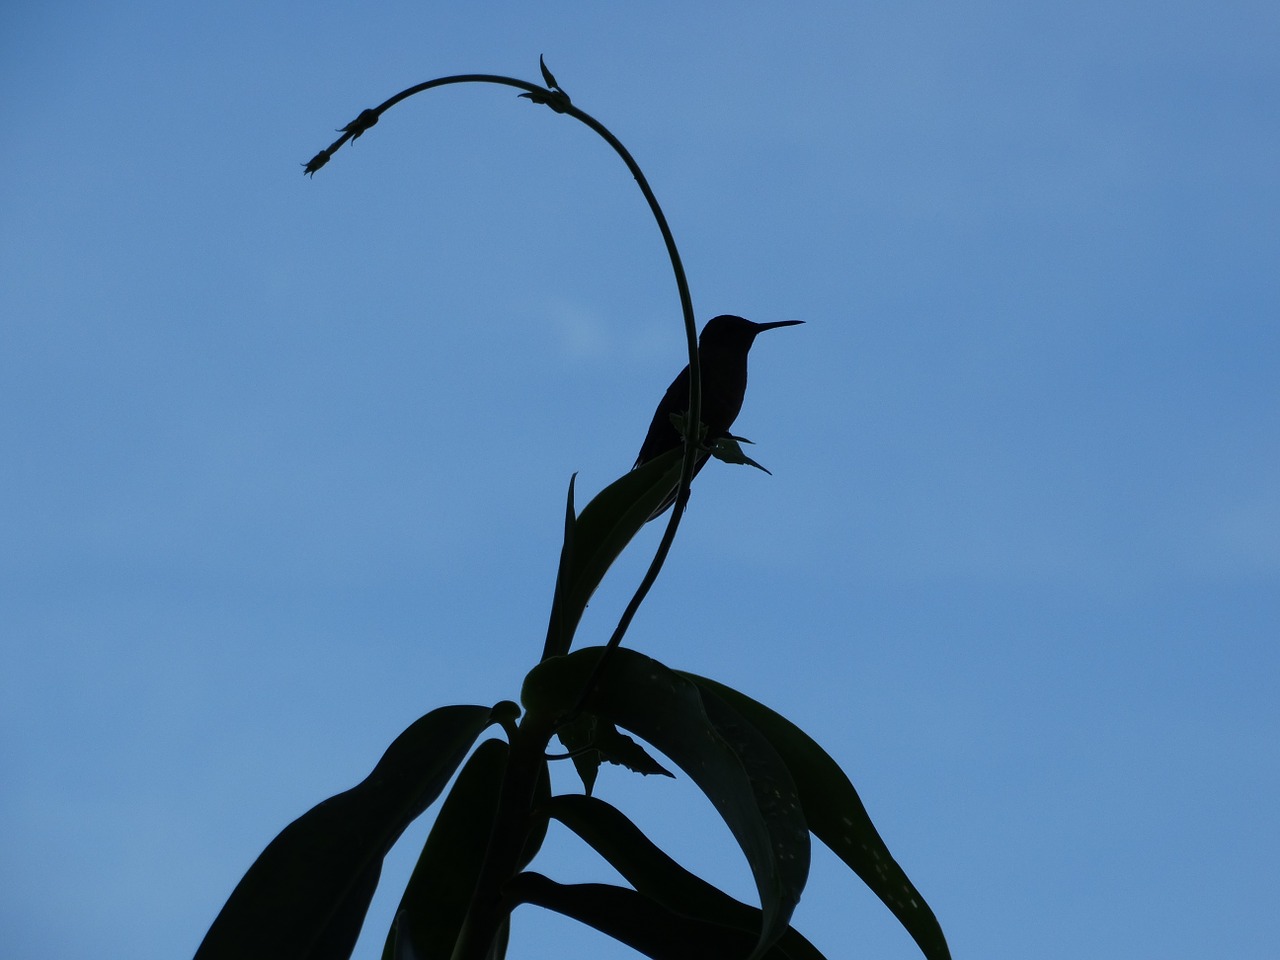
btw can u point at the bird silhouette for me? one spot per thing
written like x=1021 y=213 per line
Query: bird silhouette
x=722 y=360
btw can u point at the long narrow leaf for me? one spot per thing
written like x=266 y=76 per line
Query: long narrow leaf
x=438 y=894
x=556 y=636
x=754 y=795
x=533 y=843
x=498 y=949
x=637 y=920
x=608 y=831
x=538 y=829
x=601 y=532
x=306 y=895
x=837 y=817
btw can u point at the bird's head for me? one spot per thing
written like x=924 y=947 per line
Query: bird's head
x=728 y=332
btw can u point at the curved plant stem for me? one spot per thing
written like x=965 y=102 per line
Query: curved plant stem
x=529 y=741
x=559 y=101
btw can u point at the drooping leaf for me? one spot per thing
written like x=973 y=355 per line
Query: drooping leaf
x=601 y=532
x=754 y=795
x=657 y=876
x=835 y=814
x=438 y=894
x=306 y=895
x=637 y=920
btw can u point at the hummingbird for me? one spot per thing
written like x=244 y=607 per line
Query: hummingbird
x=722 y=361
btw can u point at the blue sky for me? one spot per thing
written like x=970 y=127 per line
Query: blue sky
x=285 y=459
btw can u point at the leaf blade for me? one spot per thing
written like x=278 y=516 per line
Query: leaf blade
x=600 y=533
x=306 y=895
x=557 y=640
x=636 y=920
x=664 y=708
x=435 y=901
x=836 y=815
x=654 y=874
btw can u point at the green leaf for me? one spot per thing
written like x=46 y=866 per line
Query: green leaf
x=637 y=920
x=741 y=774
x=655 y=875
x=600 y=533
x=437 y=899
x=438 y=895
x=306 y=895
x=837 y=817
x=556 y=634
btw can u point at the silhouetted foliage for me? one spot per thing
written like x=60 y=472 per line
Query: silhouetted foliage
x=306 y=896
